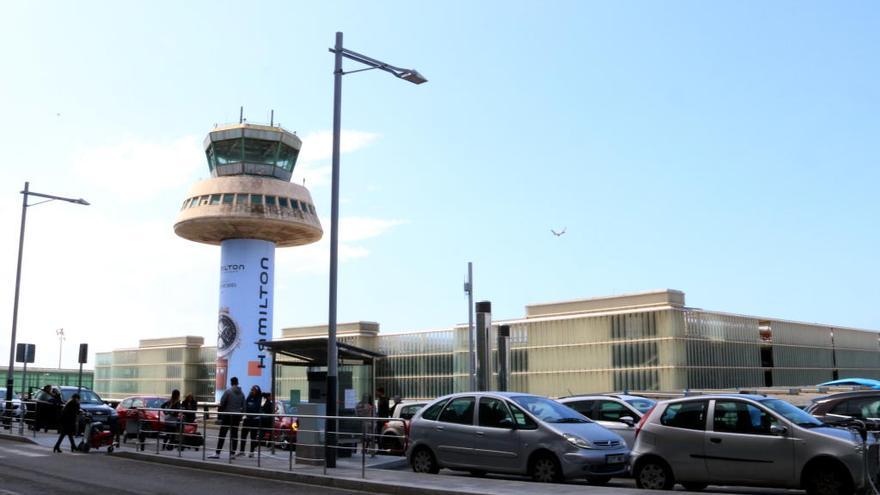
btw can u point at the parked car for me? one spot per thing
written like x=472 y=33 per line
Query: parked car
x=863 y=404
x=284 y=428
x=17 y=409
x=137 y=411
x=745 y=440
x=139 y=417
x=395 y=431
x=47 y=408
x=617 y=412
x=509 y=432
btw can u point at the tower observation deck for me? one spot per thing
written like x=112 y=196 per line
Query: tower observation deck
x=248 y=207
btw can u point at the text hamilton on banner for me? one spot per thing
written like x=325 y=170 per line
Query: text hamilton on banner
x=245 y=319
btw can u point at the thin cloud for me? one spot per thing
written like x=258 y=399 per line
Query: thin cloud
x=140 y=169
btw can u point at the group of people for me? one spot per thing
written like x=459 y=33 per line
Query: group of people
x=250 y=407
x=366 y=409
x=178 y=415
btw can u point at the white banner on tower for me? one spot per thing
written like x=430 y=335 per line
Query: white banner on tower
x=247 y=272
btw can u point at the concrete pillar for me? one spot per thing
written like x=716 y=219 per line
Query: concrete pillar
x=483 y=345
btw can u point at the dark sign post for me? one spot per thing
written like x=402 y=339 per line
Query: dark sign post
x=83 y=357
x=24 y=353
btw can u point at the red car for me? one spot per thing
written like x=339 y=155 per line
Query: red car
x=139 y=417
x=284 y=427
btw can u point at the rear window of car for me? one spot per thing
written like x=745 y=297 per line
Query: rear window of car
x=434 y=410
x=688 y=415
x=408 y=412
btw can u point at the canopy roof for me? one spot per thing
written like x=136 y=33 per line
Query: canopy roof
x=313 y=352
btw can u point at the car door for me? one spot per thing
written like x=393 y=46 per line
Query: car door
x=496 y=445
x=608 y=413
x=453 y=433
x=741 y=449
x=681 y=438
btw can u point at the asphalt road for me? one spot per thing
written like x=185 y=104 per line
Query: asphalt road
x=31 y=469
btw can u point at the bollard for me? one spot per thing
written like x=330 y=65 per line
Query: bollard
x=204 y=433
x=179 y=436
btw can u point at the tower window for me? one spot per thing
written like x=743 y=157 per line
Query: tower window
x=241 y=199
x=282 y=202
x=228 y=198
x=256 y=199
x=215 y=199
x=270 y=201
x=193 y=202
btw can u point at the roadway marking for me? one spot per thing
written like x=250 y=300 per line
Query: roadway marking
x=20 y=452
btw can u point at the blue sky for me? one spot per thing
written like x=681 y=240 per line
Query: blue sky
x=726 y=149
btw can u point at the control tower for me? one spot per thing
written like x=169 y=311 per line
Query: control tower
x=248 y=207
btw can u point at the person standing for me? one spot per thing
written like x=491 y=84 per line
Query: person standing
x=267 y=423
x=230 y=409
x=251 y=424
x=364 y=409
x=67 y=423
x=383 y=410
x=190 y=404
x=172 y=424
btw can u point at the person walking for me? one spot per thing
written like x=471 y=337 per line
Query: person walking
x=67 y=423
x=230 y=408
x=251 y=426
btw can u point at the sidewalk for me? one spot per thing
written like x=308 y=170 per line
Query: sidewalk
x=382 y=474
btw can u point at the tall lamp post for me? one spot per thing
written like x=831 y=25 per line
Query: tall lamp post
x=60 y=334
x=414 y=77
x=24 y=206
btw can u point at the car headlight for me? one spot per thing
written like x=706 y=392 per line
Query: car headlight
x=577 y=441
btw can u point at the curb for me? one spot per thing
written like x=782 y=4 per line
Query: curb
x=18 y=438
x=310 y=479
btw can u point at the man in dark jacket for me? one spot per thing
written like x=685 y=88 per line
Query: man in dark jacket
x=67 y=423
x=232 y=401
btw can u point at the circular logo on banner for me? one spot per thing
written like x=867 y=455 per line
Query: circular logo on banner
x=227 y=334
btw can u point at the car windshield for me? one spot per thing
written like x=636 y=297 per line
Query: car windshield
x=641 y=405
x=85 y=396
x=289 y=408
x=3 y=394
x=548 y=410
x=153 y=403
x=791 y=413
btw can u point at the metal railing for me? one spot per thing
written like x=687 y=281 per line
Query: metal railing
x=301 y=437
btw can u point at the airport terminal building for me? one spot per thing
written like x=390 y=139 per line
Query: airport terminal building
x=648 y=341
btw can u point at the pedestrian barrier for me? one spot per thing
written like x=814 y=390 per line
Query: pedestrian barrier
x=175 y=431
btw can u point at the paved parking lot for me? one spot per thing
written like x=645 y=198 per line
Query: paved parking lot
x=382 y=473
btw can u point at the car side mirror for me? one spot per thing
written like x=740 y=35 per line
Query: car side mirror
x=627 y=420
x=507 y=423
x=778 y=430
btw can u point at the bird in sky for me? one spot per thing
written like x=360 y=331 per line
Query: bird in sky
x=557 y=234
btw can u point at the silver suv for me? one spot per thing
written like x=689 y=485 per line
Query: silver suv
x=745 y=440
x=509 y=432
x=617 y=412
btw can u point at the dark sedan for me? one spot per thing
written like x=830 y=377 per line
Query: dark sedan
x=862 y=404
x=47 y=408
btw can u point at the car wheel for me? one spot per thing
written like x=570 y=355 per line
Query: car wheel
x=653 y=474
x=545 y=469
x=598 y=480
x=828 y=480
x=694 y=487
x=423 y=462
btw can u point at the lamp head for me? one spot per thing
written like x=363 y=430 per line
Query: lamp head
x=413 y=76
x=81 y=201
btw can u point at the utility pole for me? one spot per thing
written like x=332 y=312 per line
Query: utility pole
x=469 y=290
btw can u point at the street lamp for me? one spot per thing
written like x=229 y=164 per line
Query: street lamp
x=414 y=77
x=24 y=206
x=60 y=334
